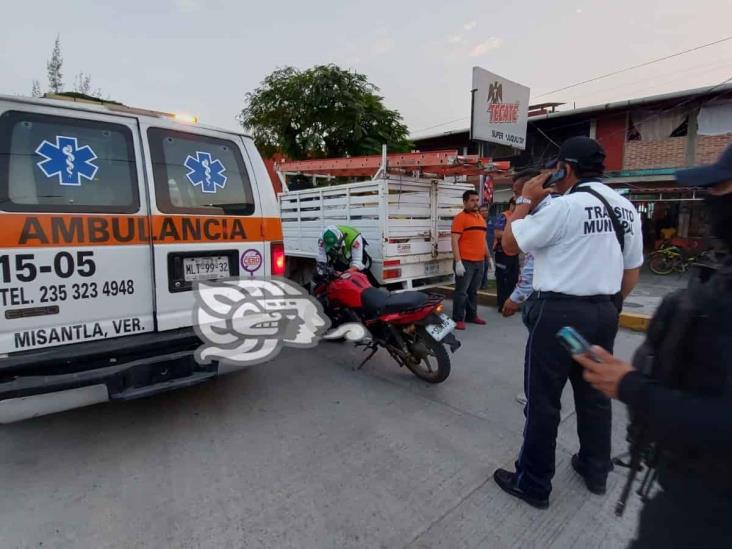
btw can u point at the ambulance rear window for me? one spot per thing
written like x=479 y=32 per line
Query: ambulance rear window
x=199 y=174
x=59 y=164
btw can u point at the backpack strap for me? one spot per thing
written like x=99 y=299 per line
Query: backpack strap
x=617 y=225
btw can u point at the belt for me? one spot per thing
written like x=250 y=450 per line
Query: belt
x=600 y=298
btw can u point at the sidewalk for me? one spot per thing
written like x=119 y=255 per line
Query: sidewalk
x=638 y=308
x=651 y=289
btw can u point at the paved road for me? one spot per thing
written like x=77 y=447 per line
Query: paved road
x=305 y=452
x=651 y=289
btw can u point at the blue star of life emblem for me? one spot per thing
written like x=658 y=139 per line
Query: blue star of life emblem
x=67 y=160
x=206 y=171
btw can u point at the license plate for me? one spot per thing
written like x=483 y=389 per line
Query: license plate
x=431 y=268
x=439 y=331
x=205 y=268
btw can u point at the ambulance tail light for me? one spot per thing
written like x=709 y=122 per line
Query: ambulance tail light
x=277 y=252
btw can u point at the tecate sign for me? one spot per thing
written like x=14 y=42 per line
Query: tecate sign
x=500 y=109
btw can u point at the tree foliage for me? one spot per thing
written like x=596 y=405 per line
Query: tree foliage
x=36 y=89
x=83 y=85
x=321 y=112
x=53 y=67
x=82 y=82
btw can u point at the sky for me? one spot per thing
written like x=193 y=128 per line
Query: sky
x=202 y=56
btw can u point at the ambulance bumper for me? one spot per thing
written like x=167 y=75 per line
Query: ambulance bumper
x=35 y=390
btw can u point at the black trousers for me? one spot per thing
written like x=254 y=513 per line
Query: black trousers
x=546 y=370
x=507 y=274
x=685 y=515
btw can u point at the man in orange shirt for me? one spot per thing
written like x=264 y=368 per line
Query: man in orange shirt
x=470 y=251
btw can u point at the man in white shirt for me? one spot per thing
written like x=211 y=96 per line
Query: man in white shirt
x=588 y=249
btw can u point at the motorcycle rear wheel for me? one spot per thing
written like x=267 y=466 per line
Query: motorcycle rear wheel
x=434 y=367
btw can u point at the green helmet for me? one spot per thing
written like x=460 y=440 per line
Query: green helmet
x=332 y=238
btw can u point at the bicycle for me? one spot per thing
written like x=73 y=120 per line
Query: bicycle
x=672 y=259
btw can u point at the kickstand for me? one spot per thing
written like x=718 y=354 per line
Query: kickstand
x=373 y=348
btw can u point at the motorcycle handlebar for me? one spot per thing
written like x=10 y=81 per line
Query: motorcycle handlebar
x=328 y=272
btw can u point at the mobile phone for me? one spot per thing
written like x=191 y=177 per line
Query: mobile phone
x=555 y=178
x=575 y=343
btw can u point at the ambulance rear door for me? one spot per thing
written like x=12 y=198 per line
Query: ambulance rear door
x=207 y=217
x=75 y=255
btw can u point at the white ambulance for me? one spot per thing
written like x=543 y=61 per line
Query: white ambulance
x=107 y=216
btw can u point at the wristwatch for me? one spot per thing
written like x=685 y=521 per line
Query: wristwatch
x=523 y=200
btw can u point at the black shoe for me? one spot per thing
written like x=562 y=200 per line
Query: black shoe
x=507 y=482
x=597 y=488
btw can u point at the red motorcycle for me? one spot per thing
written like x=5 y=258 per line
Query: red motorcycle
x=409 y=325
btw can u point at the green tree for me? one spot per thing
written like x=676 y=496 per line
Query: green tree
x=321 y=112
x=83 y=86
x=82 y=82
x=36 y=89
x=53 y=66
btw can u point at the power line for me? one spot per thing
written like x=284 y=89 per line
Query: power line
x=441 y=124
x=620 y=71
x=645 y=64
x=641 y=84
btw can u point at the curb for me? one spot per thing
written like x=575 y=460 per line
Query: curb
x=629 y=321
x=634 y=321
x=485 y=297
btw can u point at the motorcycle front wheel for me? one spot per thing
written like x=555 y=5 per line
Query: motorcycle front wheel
x=428 y=359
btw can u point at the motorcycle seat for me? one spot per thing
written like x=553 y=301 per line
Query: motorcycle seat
x=373 y=300
x=377 y=301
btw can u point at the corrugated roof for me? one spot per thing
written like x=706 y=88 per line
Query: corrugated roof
x=625 y=103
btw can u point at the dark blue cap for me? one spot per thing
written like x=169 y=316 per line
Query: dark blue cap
x=707 y=176
x=581 y=151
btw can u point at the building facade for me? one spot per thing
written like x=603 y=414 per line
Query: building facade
x=645 y=141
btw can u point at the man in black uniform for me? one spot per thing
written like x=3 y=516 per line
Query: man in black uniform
x=683 y=406
x=587 y=249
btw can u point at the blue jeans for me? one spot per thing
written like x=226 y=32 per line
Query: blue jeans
x=465 y=299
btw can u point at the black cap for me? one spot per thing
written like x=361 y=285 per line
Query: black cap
x=706 y=176
x=581 y=151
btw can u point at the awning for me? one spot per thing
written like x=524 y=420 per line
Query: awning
x=663 y=194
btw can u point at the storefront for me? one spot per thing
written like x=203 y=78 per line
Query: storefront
x=671 y=214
